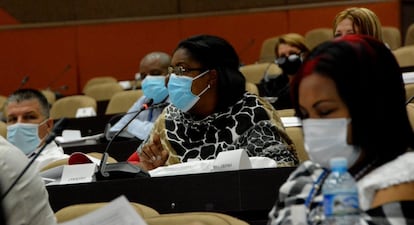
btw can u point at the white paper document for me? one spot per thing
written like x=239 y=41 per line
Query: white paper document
x=116 y=212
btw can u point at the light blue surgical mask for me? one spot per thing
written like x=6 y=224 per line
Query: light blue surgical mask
x=24 y=136
x=154 y=87
x=179 y=89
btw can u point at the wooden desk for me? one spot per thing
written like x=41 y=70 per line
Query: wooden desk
x=246 y=194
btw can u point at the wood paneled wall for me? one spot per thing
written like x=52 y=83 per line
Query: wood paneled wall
x=114 y=47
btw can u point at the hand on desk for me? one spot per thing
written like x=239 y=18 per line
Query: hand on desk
x=153 y=154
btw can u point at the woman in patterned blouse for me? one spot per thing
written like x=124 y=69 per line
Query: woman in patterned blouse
x=350 y=95
x=211 y=111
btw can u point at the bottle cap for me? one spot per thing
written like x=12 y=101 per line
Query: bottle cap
x=338 y=163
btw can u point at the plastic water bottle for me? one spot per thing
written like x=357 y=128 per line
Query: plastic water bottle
x=340 y=195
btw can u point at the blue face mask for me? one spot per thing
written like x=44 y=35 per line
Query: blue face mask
x=179 y=89
x=25 y=136
x=154 y=87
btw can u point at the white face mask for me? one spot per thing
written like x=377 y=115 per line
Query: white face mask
x=326 y=138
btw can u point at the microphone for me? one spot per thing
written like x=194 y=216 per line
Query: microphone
x=24 y=81
x=121 y=169
x=51 y=136
x=117 y=116
x=266 y=72
x=66 y=69
x=409 y=100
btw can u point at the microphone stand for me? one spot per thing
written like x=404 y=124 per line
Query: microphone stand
x=121 y=169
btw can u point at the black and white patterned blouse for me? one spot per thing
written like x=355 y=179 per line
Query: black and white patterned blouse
x=251 y=124
x=297 y=205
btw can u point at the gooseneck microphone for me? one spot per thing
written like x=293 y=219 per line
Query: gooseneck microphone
x=24 y=81
x=50 y=137
x=60 y=75
x=107 y=133
x=121 y=169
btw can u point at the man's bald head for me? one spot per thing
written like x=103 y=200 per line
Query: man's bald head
x=154 y=63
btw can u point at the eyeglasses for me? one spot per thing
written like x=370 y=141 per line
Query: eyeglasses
x=291 y=58
x=179 y=70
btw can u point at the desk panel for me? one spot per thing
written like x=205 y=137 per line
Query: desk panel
x=246 y=194
x=87 y=125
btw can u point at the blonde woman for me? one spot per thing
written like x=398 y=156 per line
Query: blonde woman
x=357 y=21
x=290 y=50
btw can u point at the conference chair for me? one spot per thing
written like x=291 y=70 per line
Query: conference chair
x=121 y=102
x=98 y=80
x=410 y=112
x=77 y=210
x=3 y=100
x=254 y=73
x=392 y=37
x=68 y=106
x=50 y=96
x=104 y=91
x=194 y=218
x=252 y=88
x=152 y=217
x=409 y=36
x=404 y=55
x=3 y=129
x=409 y=92
x=318 y=35
x=285 y=112
x=267 y=51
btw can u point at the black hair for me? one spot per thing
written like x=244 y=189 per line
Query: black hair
x=216 y=53
x=369 y=81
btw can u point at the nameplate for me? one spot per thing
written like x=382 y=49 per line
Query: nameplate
x=71 y=135
x=232 y=160
x=408 y=77
x=79 y=173
x=85 y=112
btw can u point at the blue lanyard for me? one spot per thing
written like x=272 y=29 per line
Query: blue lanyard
x=315 y=187
x=150 y=115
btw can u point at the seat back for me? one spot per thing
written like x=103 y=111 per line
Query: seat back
x=254 y=72
x=404 y=55
x=195 y=218
x=318 y=35
x=74 y=211
x=98 y=80
x=3 y=129
x=392 y=37
x=68 y=106
x=286 y=112
x=409 y=91
x=3 y=100
x=50 y=96
x=409 y=36
x=267 y=51
x=104 y=91
x=410 y=112
x=121 y=102
x=252 y=88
